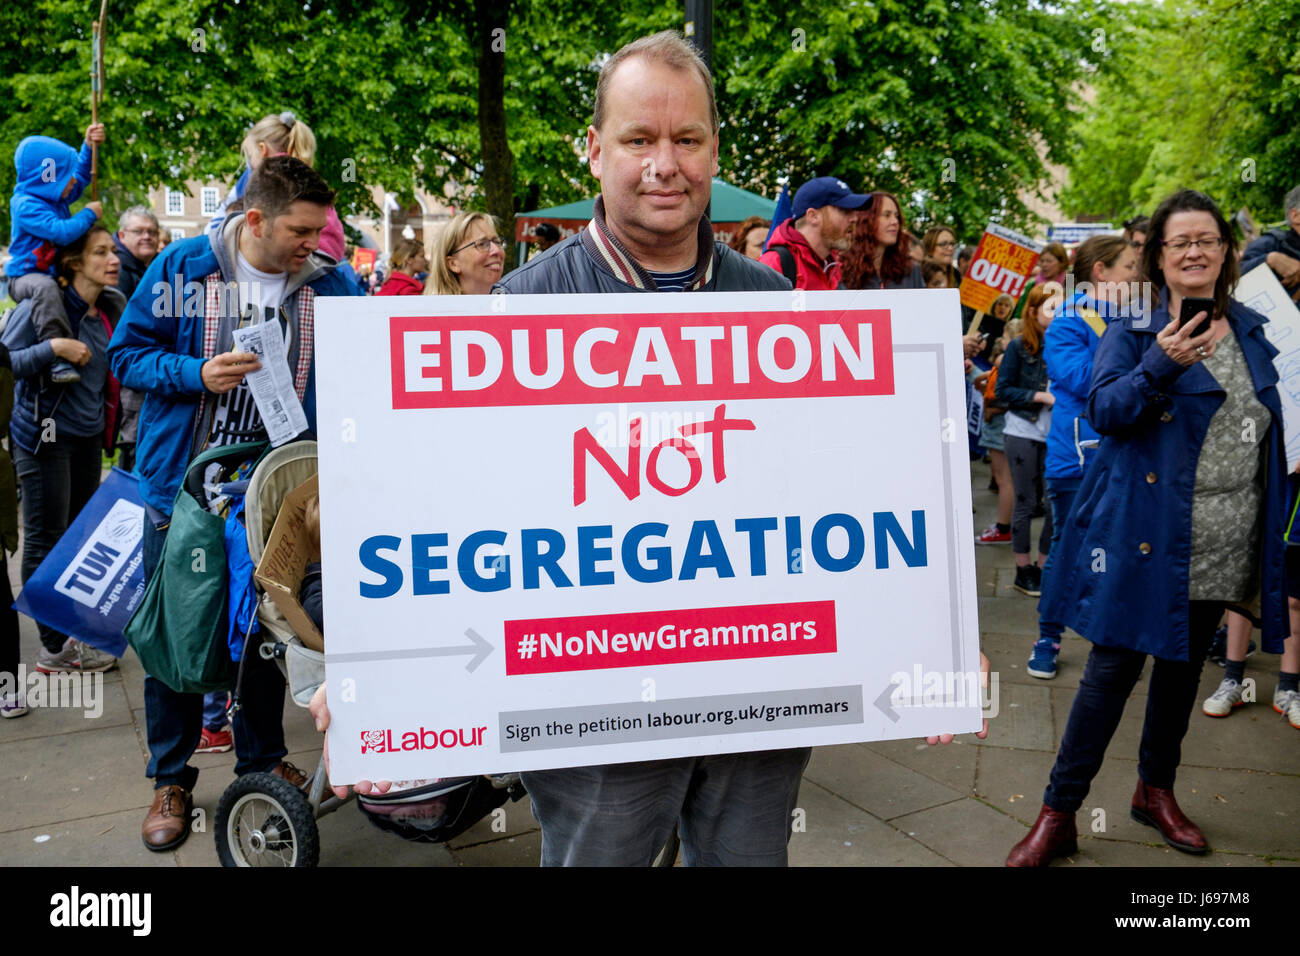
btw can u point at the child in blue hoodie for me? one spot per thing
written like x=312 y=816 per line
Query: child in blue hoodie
x=51 y=175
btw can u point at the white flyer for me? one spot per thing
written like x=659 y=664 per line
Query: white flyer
x=1260 y=290
x=271 y=385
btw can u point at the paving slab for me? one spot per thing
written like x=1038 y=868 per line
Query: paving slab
x=111 y=839
x=952 y=764
x=840 y=834
x=1024 y=719
x=875 y=783
x=966 y=831
x=522 y=850
x=67 y=776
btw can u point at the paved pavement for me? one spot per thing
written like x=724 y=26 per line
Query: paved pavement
x=75 y=794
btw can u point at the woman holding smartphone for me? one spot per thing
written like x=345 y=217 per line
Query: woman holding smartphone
x=1180 y=515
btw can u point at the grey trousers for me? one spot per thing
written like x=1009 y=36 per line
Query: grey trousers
x=48 y=315
x=1027 y=458
x=731 y=809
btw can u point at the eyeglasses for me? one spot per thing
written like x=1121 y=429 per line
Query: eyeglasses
x=1181 y=245
x=142 y=232
x=482 y=245
x=945 y=245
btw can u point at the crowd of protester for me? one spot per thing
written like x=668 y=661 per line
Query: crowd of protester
x=1083 y=424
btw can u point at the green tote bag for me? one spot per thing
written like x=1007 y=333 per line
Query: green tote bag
x=179 y=631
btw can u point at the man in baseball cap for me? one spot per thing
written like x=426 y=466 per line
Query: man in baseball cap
x=803 y=247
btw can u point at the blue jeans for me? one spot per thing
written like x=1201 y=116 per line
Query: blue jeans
x=214 y=709
x=1107 y=682
x=174 y=721
x=1060 y=497
x=56 y=484
x=731 y=809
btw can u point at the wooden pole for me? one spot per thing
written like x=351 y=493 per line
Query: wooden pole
x=975 y=323
x=96 y=90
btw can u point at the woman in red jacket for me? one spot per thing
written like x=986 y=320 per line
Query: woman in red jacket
x=409 y=260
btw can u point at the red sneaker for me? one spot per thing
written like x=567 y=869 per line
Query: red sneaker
x=991 y=535
x=214 y=741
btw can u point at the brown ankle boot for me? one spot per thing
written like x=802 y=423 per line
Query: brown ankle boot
x=1053 y=834
x=1157 y=808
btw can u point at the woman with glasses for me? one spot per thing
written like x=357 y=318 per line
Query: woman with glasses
x=468 y=256
x=1180 y=515
x=940 y=244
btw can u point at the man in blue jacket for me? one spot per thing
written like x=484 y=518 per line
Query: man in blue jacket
x=174 y=343
x=1279 y=249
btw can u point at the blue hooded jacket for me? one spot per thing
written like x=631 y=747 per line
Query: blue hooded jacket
x=1069 y=346
x=39 y=210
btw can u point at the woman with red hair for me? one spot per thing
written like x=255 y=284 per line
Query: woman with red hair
x=880 y=257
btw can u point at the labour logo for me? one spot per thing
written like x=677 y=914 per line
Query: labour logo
x=373 y=741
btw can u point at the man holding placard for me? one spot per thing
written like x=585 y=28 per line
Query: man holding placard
x=741 y=654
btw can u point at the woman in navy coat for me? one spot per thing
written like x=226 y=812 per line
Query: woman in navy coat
x=1180 y=516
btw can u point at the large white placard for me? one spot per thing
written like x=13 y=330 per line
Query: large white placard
x=1260 y=290
x=583 y=529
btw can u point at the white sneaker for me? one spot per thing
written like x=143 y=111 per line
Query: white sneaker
x=1282 y=699
x=1222 y=702
x=93 y=659
x=1293 y=711
x=13 y=705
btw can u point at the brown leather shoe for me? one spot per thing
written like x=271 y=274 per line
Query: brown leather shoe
x=287 y=771
x=168 y=824
x=1053 y=834
x=1157 y=808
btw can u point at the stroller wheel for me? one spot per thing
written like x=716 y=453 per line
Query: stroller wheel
x=265 y=821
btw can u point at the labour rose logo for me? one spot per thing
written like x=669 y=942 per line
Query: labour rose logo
x=372 y=741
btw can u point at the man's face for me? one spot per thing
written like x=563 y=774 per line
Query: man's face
x=655 y=154
x=284 y=243
x=140 y=237
x=837 y=227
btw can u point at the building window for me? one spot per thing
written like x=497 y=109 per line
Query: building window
x=177 y=234
x=210 y=200
x=175 y=203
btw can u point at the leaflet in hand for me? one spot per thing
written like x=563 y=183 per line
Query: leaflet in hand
x=271 y=385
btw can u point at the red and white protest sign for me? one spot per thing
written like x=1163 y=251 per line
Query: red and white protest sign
x=566 y=530
x=1003 y=261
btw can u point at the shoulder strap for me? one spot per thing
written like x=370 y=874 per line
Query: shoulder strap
x=788 y=267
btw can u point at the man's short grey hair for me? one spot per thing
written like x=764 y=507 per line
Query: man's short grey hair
x=667 y=47
x=136 y=212
x=1292 y=200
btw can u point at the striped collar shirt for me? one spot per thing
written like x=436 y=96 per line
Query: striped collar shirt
x=605 y=248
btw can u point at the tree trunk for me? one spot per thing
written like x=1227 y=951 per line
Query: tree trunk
x=490 y=19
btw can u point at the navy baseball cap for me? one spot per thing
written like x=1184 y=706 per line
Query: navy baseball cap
x=827 y=191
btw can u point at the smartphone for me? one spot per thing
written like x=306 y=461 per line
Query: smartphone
x=1190 y=308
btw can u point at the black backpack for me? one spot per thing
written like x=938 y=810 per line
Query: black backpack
x=788 y=268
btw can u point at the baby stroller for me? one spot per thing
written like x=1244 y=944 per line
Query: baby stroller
x=263 y=820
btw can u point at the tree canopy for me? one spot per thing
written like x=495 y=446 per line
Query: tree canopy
x=1201 y=94
x=954 y=105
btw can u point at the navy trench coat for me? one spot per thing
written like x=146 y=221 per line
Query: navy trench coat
x=1125 y=550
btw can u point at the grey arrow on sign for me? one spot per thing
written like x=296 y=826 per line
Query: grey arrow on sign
x=883 y=703
x=479 y=647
